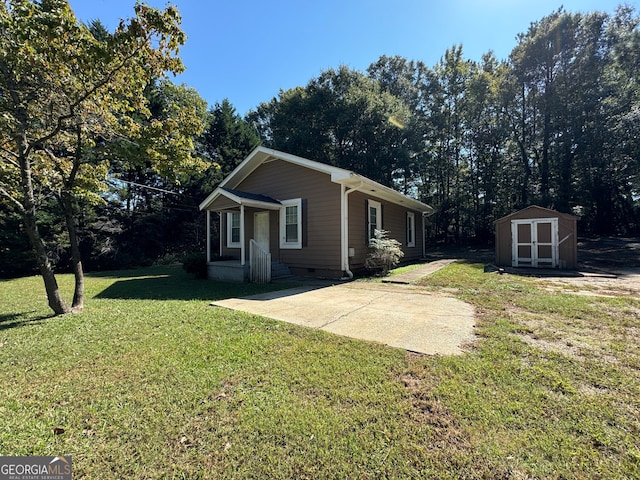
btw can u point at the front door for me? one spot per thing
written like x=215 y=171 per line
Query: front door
x=261 y=230
x=535 y=242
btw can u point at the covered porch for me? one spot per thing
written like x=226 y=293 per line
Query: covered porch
x=244 y=250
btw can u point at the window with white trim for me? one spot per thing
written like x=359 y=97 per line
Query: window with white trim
x=374 y=218
x=233 y=229
x=291 y=223
x=411 y=229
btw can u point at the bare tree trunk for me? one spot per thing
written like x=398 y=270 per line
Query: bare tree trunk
x=28 y=211
x=76 y=260
x=57 y=304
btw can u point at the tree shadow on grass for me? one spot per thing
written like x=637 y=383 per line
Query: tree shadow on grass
x=180 y=287
x=13 y=320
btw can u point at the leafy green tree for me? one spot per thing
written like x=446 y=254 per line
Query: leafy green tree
x=342 y=118
x=577 y=94
x=487 y=138
x=445 y=171
x=158 y=206
x=414 y=84
x=227 y=140
x=63 y=94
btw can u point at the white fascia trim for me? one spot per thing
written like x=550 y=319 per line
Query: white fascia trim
x=261 y=154
x=305 y=162
x=338 y=175
x=239 y=200
x=377 y=190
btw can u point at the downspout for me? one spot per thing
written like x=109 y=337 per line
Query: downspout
x=344 y=204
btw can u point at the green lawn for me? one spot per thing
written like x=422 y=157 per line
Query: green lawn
x=151 y=382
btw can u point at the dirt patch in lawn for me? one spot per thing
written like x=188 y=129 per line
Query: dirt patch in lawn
x=610 y=266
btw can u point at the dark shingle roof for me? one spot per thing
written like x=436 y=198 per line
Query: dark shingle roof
x=251 y=196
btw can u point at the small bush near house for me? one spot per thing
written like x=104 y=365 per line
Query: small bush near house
x=384 y=255
x=196 y=264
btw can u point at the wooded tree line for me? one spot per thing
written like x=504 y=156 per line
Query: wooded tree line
x=109 y=159
x=557 y=124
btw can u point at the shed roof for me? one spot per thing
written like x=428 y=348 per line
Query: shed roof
x=547 y=212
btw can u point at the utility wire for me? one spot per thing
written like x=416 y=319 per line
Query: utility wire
x=143 y=186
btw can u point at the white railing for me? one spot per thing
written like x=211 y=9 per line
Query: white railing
x=259 y=263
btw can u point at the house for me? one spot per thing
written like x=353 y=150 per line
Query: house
x=537 y=237
x=278 y=210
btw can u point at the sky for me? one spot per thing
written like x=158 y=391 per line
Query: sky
x=249 y=50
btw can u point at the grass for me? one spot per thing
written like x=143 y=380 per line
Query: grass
x=405 y=268
x=151 y=382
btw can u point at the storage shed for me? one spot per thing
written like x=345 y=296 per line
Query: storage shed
x=537 y=237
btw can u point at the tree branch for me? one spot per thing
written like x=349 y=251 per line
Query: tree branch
x=12 y=199
x=6 y=155
x=86 y=95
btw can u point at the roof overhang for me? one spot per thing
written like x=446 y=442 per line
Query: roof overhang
x=375 y=189
x=223 y=199
x=262 y=155
x=349 y=179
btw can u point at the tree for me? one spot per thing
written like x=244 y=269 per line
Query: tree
x=577 y=90
x=487 y=138
x=413 y=83
x=65 y=94
x=228 y=138
x=152 y=176
x=342 y=118
x=445 y=169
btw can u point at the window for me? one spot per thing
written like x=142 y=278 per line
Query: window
x=374 y=215
x=291 y=224
x=411 y=229
x=233 y=230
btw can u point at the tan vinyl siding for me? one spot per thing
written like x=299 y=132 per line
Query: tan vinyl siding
x=320 y=212
x=394 y=221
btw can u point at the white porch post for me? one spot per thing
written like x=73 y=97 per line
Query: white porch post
x=242 y=249
x=208 y=236
x=220 y=215
x=343 y=240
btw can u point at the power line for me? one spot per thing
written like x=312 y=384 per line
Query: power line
x=145 y=186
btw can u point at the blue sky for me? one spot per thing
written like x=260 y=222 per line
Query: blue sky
x=247 y=50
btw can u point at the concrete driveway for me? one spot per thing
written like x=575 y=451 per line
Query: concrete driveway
x=400 y=316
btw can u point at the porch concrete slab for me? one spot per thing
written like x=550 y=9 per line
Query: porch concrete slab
x=400 y=316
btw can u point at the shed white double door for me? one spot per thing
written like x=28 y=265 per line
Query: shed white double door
x=534 y=242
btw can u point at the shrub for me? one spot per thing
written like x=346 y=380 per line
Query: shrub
x=196 y=263
x=385 y=253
